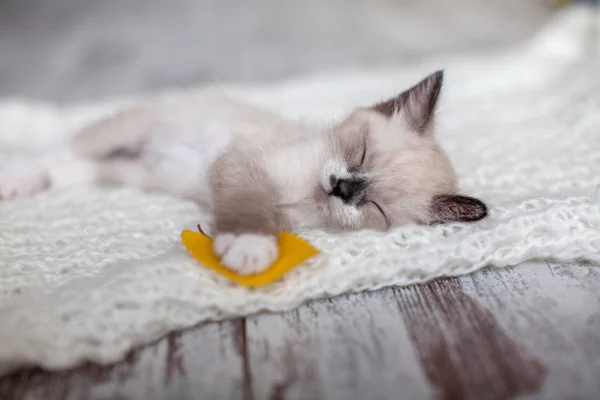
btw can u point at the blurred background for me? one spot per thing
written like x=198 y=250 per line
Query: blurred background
x=70 y=51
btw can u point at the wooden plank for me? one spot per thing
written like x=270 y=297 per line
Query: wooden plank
x=204 y=361
x=351 y=347
x=553 y=311
x=465 y=352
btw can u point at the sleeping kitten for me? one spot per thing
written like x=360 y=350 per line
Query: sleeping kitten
x=260 y=174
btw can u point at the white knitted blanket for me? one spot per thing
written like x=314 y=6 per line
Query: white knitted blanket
x=88 y=273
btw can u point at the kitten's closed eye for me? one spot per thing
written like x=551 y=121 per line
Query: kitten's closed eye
x=357 y=157
x=378 y=208
x=354 y=147
x=364 y=154
x=377 y=212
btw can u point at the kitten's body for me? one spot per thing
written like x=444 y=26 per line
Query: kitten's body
x=259 y=174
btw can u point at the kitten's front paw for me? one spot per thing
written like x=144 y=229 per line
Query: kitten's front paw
x=248 y=253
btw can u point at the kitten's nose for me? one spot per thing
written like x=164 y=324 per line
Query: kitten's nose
x=350 y=190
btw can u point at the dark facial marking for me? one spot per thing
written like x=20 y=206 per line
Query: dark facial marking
x=351 y=190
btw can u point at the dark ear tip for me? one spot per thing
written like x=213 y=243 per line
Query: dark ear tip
x=482 y=210
x=477 y=209
x=435 y=82
x=455 y=208
x=437 y=77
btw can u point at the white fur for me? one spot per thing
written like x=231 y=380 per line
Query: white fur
x=180 y=158
x=246 y=254
x=56 y=167
x=67 y=169
x=23 y=183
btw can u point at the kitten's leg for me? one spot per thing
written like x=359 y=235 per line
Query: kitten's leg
x=25 y=176
x=124 y=154
x=19 y=178
x=62 y=168
x=246 y=218
x=122 y=135
x=106 y=151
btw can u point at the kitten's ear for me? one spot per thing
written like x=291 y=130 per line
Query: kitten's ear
x=417 y=103
x=455 y=208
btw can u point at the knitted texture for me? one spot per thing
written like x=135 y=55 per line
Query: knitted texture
x=88 y=273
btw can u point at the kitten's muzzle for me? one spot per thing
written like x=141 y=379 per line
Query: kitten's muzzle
x=350 y=190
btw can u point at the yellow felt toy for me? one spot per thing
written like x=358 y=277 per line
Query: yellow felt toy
x=292 y=251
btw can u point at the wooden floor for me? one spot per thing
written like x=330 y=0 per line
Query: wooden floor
x=531 y=332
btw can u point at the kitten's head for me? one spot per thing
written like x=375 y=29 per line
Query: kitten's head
x=385 y=169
